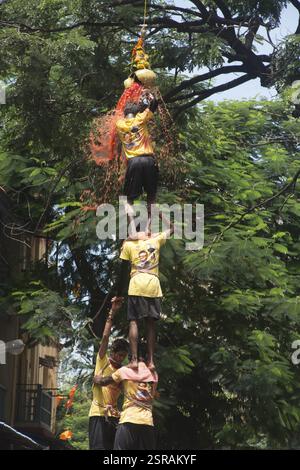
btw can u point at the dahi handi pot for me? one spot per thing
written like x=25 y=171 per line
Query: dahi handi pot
x=146 y=76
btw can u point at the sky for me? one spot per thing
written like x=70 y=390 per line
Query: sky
x=253 y=89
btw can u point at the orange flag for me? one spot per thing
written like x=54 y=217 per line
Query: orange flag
x=72 y=391
x=64 y=436
x=59 y=398
x=69 y=404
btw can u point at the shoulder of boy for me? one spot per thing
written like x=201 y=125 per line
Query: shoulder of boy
x=125 y=246
x=116 y=376
x=163 y=237
x=102 y=361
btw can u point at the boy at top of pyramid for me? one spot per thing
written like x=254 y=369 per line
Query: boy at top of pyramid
x=142 y=169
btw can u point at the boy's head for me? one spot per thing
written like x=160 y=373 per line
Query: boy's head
x=119 y=350
x=131 y=108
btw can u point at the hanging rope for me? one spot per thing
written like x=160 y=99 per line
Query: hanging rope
x=145 y=12
x=144 y=25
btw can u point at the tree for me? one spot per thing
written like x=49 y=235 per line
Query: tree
x=231 y=308
x=234 y=304
x=75 y=420
x=221 y=35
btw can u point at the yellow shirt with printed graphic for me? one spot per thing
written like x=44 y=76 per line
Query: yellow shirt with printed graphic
x=104 y=398
x=134 y=134
x=144 y=255
x=138 y=398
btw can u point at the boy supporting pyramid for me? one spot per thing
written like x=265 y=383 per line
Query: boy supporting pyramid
x=141 y=252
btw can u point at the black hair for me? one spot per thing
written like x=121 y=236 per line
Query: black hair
x=131 y=108
x=119 y=345
x=144 y=104
x=136 y=79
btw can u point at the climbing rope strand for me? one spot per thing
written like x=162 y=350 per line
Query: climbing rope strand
x=145 y=12
x=93 y=333
x=144 y=25
x=99 y=312
x=103 y=304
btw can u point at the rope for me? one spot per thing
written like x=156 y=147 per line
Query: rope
x=99 y=312
x=103 y=304
x=145 y=12
x=93 y=333
x=144 y=25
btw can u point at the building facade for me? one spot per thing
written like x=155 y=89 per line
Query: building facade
x=28 y=380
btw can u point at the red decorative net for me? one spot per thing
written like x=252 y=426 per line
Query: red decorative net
x=103 y=137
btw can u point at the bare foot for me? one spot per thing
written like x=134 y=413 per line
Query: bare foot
x=133 y=365
x=151 y=366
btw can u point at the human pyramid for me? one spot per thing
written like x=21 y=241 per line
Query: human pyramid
x=132 y=428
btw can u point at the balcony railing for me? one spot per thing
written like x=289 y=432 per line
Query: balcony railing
x=34 y=406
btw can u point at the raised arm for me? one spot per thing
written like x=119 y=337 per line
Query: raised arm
x=148 y=100
x=116 y=304
x=170 y=231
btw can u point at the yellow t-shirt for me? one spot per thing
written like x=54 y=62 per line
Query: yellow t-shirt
x=103 y=396
x=138 y=399
x=144 y=255
x=134 y=134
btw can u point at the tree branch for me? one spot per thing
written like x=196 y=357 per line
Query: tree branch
x=237 y=21
x=250 y=36
x=116 y=3
x=251 y=61
x=56 y=180
x=265 y=58
x=199 y=26
x=203 y=19
x=168 y=8
x=27 y=28
x=264 y=203
x=224 y=8
x=224 y=87
x=201 y=8
x=200 y=78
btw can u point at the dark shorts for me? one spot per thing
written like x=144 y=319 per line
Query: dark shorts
x=139 y=307
x=102 y=433
x=131 y=436
x=141 y=174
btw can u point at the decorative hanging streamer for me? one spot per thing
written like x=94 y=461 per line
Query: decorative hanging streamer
x=103 y=137
x=72 y=391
